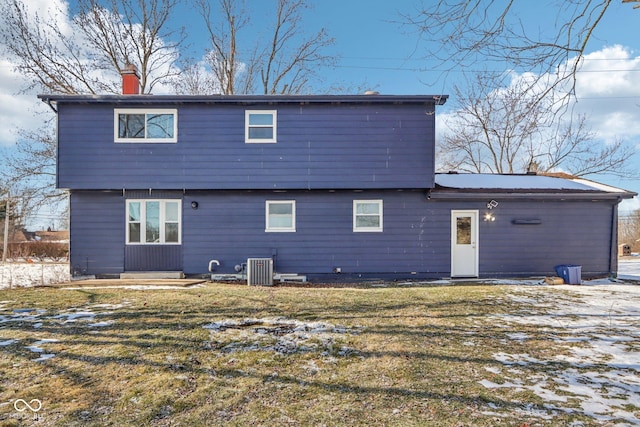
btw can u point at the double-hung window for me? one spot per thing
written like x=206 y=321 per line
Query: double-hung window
x=260 y=126
x=153 y=222
x=280 y=216
x=367 y=215
x=141 y=125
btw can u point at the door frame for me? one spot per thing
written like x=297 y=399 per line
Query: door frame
x=475 y=237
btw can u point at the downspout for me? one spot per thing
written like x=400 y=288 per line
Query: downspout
x=613 y=250
x=48 y=101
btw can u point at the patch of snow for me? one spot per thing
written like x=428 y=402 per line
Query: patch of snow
x=490 y=384
x=519 y=182
x=598 y=364
x=25 y=274
x=7 y=342
x=101 y=324
x=44 y=356
x=281 y=335
x=73 y=317
x=35 y=348
x=518 y=336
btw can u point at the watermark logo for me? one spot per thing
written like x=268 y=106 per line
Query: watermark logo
x=34 y=405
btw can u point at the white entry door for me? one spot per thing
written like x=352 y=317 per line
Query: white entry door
x=464 y=243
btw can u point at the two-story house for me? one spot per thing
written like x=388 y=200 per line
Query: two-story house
x=332 y=187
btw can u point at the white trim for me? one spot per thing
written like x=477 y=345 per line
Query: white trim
x=475 y=237
x=380 y=215
x=145 y=111
x=162 y=221
x=274 y=125
x=269 y=229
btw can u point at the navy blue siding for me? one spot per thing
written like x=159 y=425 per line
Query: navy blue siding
x=230 y=226
x=416 y=237
x=569 y=233
x=320 y=146
x=153 y=258
x=97 y=233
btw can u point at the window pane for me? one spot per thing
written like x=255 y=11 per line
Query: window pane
x=261 y=133
x=367 y=208
x=134 y=233
x=463 y=230
x=368 y=221
x=171 y=211
x=280 y=209
x=153 y=222
x=171 y=232
x=280 y=221
x=261 y=119
x=160 y=126
x=131 y=125
x=134 y=211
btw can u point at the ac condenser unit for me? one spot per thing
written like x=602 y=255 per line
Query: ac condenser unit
x=260 y=272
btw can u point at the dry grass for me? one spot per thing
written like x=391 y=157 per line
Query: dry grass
x=400 y=356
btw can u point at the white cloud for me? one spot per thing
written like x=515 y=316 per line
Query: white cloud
x=17 y=110
x=608 y=92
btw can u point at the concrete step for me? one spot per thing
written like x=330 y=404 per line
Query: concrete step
x=152 y=275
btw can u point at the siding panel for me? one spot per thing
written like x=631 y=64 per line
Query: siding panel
x=319 y=147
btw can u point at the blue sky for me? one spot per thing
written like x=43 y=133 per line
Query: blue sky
x=376 y=51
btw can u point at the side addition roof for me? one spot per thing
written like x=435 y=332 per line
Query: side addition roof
x=526 y=186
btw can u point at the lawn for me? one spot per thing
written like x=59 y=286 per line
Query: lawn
x=224 y=354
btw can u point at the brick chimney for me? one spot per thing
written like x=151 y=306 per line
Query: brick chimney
x=130 y=80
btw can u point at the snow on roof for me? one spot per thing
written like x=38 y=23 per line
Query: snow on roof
x=519 y=182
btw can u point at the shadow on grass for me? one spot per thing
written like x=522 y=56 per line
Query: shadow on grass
x=167 y=336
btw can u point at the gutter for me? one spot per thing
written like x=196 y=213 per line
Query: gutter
x=438 y=195
x=249 y=99
x=49 y=102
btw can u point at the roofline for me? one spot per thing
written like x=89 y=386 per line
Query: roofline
x=438 y=194
x=246 y=99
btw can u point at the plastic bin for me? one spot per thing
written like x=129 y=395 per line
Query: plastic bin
x=571 y=274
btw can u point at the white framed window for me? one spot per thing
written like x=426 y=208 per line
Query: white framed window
x=367 y=215
x=142 y=125
x=260 y=126
x=154 y=222
x=280 y=216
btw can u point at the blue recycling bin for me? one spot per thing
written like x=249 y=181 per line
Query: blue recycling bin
x=571 y=274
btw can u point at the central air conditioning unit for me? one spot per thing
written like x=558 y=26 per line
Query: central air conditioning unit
x=260 y=271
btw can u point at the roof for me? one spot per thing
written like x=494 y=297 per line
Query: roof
x=246 y=99
x=468 y=185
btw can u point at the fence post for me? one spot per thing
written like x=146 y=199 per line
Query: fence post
x=6 y=228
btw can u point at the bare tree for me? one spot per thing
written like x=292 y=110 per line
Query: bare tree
x=85 y=57
x=513 y=130
x=629 y=230
x=284 y=62
x=492 y=35
x=88 y=57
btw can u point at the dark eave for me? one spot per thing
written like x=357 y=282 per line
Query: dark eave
x=443 y=193
x=245 y=99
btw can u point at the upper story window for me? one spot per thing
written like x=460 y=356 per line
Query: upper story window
x=260 y=126
x=140 y=125
x=281 y=215
x=367 y=215
x=153 y=221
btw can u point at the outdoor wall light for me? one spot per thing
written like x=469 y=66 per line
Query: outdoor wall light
x=488 y=217
x=194 y=205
